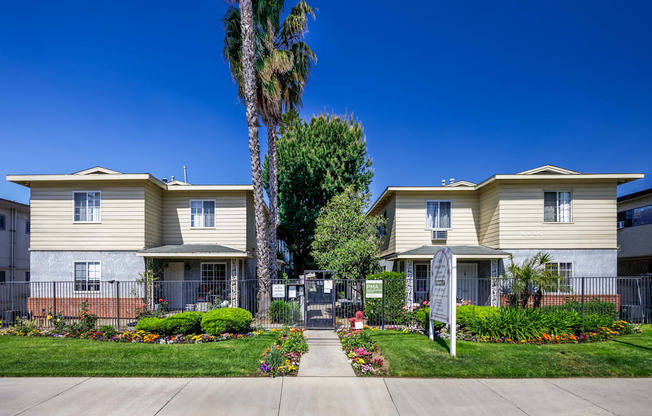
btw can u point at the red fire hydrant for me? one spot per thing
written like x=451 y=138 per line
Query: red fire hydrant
x=359 y=317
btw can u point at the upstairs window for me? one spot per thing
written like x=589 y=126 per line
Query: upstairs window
x=382 y=229
x=635 y=217
x=202 y=213
x=87 y=206
x=557 y=206
x=87 y=276
x=28 y=227
x=438 y=215
x=2 y=222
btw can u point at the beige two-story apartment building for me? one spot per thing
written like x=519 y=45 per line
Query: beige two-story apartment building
x=100 y=225
x=568 y=214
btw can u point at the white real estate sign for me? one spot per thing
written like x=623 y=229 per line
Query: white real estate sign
x=443 y=292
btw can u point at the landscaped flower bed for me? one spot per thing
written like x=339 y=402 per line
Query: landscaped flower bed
x=130 y=336
x=282 y=358
x=361 y=351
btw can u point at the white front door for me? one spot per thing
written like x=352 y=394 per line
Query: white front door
x=467 y=282
x=173 y=285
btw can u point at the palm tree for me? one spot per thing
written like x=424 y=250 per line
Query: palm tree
x=283 y=62
x=244 y=72
x=532 y=274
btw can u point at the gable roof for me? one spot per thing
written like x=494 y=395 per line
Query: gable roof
x=96 y=170
x=550 y=170
x=542 y=173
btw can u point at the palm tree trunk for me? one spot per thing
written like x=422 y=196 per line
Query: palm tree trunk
x=249 y=77
x=273 y=196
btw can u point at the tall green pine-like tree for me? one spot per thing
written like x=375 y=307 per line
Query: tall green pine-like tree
x=316 y=161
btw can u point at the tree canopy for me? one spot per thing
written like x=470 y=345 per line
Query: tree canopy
x=346 y=240
x=316 y=161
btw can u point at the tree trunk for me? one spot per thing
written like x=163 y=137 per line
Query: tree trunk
x=273 y=196
x=524 y=298
x=249 y=76
x=538 y=296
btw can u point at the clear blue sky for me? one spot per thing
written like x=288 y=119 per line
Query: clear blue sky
x=443 y=89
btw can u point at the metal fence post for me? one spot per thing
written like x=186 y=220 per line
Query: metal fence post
x=383 y=303
x=54 y=298
x=117 y=303
x=582 y=295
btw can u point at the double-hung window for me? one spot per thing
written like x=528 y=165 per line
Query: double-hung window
x=563 y=270
x=87 y=206
x=421 y=282
x=2 y=222
x=87 y=276
x=557 y=206
x=202 y=213
x=438 y=215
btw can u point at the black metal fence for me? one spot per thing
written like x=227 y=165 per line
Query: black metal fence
x=309 y=303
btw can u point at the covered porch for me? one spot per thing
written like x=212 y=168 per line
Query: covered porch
x=199 y=276
x=477 y=270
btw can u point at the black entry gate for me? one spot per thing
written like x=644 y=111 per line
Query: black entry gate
x=320 y=303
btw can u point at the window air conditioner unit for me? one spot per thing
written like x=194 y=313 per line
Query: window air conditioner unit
x=439 y=235
x=621 y=224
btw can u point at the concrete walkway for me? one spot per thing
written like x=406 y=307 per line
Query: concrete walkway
x=324 y=396
x=325 y=357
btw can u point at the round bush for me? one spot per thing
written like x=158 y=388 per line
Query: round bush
x=183 y=323
x=232 y=320
x=154 y=325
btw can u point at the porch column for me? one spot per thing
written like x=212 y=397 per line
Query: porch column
x=495 y=294
x=234 y=282
x=409 y=283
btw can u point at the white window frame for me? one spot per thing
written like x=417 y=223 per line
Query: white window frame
x=439 y=201
x=557 y=192
x=571 y=277
x=226 y=270
x=99 y=216
x=214 y=213
x=74 y=280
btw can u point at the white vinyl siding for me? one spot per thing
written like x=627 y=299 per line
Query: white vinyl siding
x=202 y=213
x=557 y=206
x=87 y=206
x=438 y=215
x=87 y=276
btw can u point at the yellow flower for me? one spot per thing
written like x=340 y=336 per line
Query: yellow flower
x=49 y=317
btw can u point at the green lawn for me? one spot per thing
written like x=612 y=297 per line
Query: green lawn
x=34 y=356
x=414 y=355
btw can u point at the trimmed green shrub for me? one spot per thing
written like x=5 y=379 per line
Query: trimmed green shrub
x=423 y=316
x=153 y=325
x=232 y=320
x=282 y=312
x=467 y=312
x=394 y=300
x=183 y=323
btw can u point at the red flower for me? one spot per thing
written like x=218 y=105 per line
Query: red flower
x=160 y=300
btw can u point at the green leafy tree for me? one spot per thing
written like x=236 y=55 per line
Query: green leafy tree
x=346 y=240
x=316 y=161
x=283 y=62
x=532 y=274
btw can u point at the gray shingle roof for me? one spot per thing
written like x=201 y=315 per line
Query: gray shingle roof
x=192 y=248
x=457 y=250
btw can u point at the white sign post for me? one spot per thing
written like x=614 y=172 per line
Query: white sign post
x=443 y=293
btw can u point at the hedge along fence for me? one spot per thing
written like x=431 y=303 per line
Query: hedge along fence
x=214 y=322
x=394 y=285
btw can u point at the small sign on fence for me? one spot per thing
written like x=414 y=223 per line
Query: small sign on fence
x=373 y=289
x=292 y=291
x=278 y=291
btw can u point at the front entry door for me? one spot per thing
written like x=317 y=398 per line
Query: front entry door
x=320 y=301
x=467 y=282
x=173 y=277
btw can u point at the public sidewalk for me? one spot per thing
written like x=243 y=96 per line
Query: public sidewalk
x=324 y=396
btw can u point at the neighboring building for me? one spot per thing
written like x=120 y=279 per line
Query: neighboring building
x=100 y=225
x=570 y=215
x=14 y=241
x=635 y=234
